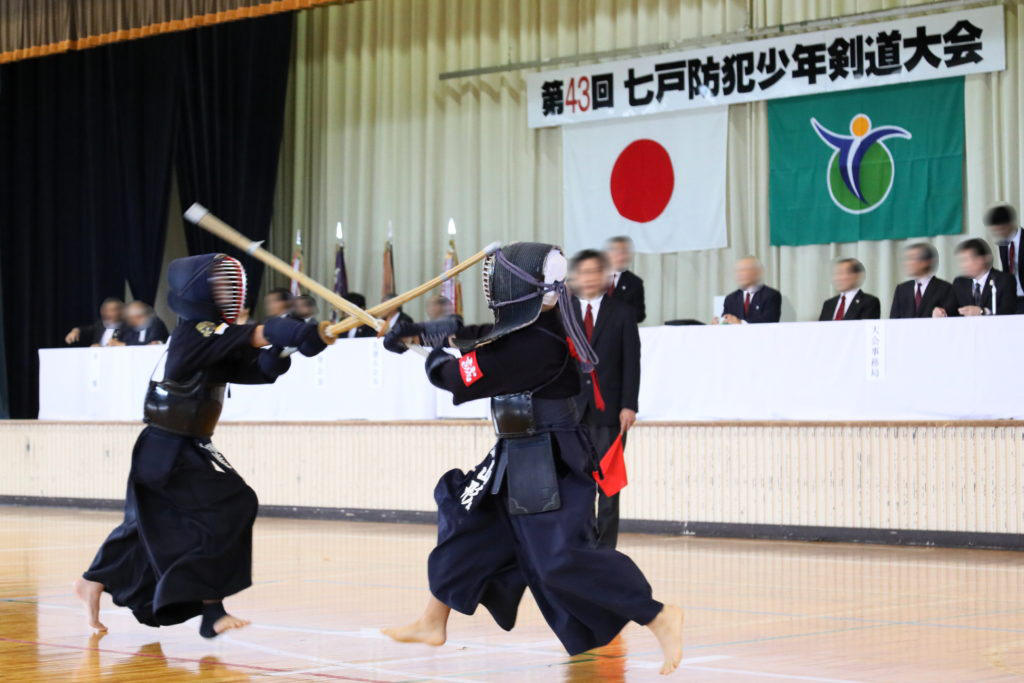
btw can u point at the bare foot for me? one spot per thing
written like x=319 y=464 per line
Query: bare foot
x=89 y=593
x=668 y=628
x=228 y=622
x=419 y=631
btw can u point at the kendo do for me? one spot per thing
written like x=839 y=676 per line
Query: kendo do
x=524 y=517
x=186 y=540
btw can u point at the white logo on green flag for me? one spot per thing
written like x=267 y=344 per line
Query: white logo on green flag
x=861 y=170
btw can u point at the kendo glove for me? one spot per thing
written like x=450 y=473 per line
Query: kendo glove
x=313 y=344
x=271 y=364
x=294 y=333
x=393 y=339
x=286 y=331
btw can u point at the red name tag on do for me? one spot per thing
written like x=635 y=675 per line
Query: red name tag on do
x=469 y=369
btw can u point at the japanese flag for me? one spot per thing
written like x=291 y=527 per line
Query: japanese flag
x=659 y=179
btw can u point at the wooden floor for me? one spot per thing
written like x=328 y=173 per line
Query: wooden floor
x=755 y=611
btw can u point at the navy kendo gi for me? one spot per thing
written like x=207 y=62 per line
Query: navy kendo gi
x=525 y=515
x=187 y=530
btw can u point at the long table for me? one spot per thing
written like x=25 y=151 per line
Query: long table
x=952 y=369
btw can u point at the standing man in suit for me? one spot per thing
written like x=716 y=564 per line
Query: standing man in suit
x=610 y=326
x=623 y=283
x=919 y=296
x=107 y=329
x=852 y=303
x=1004 y=227
x=973 y=289
x=753 y=302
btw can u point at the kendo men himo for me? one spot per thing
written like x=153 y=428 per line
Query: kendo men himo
x=186 y=540
x=524 y=517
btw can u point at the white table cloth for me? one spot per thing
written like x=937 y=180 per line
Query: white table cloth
x=953 y=369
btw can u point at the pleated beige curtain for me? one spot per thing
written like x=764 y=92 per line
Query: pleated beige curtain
x=372 y=135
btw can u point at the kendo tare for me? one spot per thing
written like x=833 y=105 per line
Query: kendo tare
x=524 y=517
x=186 y=540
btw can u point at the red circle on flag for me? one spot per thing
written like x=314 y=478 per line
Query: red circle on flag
x=642 y=181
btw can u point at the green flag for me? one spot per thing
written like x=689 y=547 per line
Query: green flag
x=869 y=164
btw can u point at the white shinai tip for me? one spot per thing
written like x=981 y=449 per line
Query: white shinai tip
x=492 y=247
x=196 y=212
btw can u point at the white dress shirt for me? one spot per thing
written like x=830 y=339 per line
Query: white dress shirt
x=615 y=279
x=595 y=306
x=849 y=297
x=108 y=334
x=980 y=281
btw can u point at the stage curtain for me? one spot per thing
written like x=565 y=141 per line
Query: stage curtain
x=233 y=80
x=35 y=28
x=85 y=157
x=372 y=135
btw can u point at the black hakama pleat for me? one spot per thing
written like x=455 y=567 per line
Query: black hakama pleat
x=488 y=557
x=186 y=535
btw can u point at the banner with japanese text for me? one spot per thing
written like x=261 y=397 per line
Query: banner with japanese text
x=898 y=51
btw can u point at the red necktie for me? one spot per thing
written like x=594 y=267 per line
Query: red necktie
x=917 y=298
x=588 y=322
x=746 y=305
x=841 y=311
x=611 y=287
x=1012 y=260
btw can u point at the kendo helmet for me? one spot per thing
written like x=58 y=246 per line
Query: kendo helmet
x=207 y=287
x=521 y=278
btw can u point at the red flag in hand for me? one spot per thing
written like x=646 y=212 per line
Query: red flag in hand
x=613 y=465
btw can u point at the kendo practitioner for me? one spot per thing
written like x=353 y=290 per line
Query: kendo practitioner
x=186 y=540
x=524 y=517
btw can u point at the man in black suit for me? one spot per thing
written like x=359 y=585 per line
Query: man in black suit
x=973 y=289
x=107 y=329
x=919 y=296
x=624 y=284
x=852 y=303
x=363 y=330
x=143 y=326
x=1004 y=227
x=753 y=302
x=610 y=325
x=277 y=303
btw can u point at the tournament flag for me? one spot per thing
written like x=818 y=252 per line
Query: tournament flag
x=613 y=466
x=340 y=273
x=880 y=163
x=297 y=263
x=659 y=179
x=451 y=289
x=387 y=285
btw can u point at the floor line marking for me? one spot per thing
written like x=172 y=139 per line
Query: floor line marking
x=339 y=664
x=767 y=674
x=169 y=658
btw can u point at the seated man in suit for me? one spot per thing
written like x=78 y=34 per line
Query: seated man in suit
x=923 y=292
x=852 y=303
x=143 y=326
x=1004 y=227
x=277 y=303
x=753 y=302
x=610 y=326
x=973 y=289
x=304 y=308
x=107 y=329
x=363 y=330
x=438 y=307
x=622 y=282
